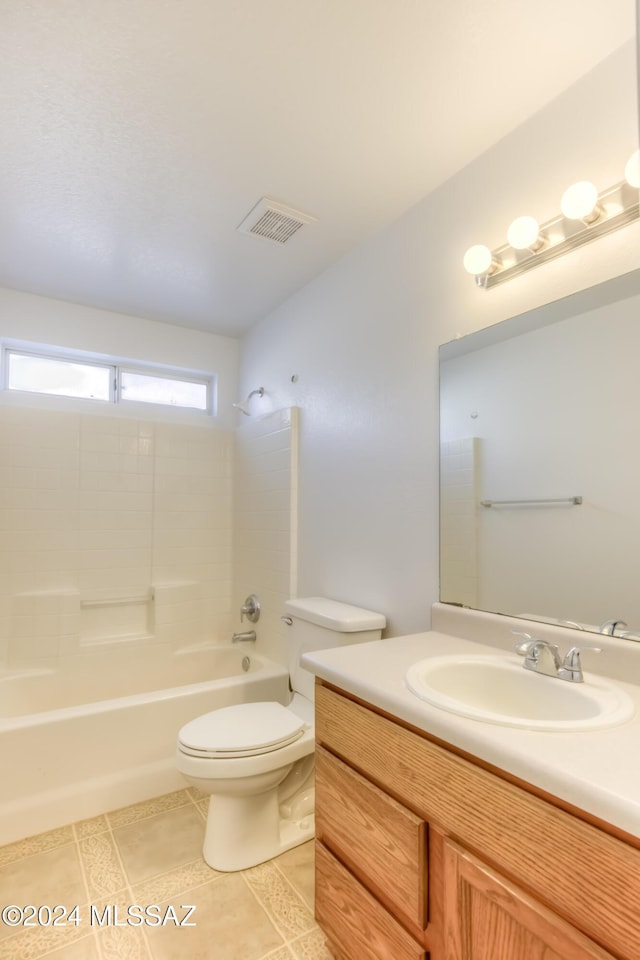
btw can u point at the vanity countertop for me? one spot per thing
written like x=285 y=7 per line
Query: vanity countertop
x=596 y=770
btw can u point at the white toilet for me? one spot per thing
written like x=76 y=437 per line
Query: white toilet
x=256 y=759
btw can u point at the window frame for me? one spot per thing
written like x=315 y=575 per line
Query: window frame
x=116 y=367
x=170 y=373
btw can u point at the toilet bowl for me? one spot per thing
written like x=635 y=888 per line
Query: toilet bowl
x=255 y=760
x=252 y=759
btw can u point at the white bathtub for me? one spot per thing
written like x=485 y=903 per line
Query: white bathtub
x=97 y=735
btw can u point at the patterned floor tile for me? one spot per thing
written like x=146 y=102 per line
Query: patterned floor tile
x=88 y=828
x=52 y=878
x=29 y=943
x=286 y=908
x=298 y=865
x=161 y=843
x=118 y=940
x=311 y=946
x=197 y=794
x=84 y=949
x=175 y=882
x=147 y=808
x=284 y=953
x=229 y=922
x=102 y=869
x=150 y=853
x=123 y=943
x=39 y=843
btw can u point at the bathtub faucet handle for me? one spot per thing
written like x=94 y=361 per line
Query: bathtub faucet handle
x=250 y=609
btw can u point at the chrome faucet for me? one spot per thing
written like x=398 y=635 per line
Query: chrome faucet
x=609 y=627
x=543 y=657
x=248 y=637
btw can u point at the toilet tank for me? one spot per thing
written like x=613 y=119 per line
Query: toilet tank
x=318 y=624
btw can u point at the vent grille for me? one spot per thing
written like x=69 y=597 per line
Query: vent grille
x=274 y=221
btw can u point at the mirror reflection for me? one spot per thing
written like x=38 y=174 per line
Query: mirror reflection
x=540 y=422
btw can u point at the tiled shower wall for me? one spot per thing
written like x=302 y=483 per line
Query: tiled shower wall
x=265 y=523
x=111 y=528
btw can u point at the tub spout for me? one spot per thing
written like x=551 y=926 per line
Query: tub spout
x=249 y=636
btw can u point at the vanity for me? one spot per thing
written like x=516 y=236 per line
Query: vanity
x=444 y=837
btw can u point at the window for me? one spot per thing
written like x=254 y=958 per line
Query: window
x=65 y=378
x=155 y=388
x=74 y=375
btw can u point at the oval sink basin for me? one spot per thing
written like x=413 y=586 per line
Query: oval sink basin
x=498 y=689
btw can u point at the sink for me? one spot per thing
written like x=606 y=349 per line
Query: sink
x=498 y=689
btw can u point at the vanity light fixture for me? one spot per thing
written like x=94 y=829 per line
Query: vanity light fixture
x=524 y=234
x=632 y=170
x=585 y=215
x=479 y=260
x=580 y=202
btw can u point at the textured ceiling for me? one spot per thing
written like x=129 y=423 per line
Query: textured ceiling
x=137 y=134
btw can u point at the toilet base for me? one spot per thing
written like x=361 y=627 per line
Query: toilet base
x=245 y=831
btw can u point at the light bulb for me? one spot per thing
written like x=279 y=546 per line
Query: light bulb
x=478 y=260
x=580 y=202
x=632 y=170
x=524 y=234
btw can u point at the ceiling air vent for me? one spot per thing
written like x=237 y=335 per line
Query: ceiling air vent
x=274 y=221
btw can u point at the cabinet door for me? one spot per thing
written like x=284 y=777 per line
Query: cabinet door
x=488 y=918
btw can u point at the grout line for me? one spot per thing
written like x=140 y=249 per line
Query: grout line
x=82 y=867
x=285 y=936
x=148 y=816
x=267 y=911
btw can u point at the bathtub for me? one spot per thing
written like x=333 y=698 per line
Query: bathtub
x=100 y=733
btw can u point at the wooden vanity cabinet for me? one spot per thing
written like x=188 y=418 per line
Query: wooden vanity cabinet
x=422 y=854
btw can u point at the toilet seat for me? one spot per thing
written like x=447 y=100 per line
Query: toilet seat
x=243 y=730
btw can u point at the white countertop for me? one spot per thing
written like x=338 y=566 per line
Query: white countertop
x=596 y=770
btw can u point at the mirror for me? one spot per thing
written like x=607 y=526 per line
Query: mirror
x=540 y=422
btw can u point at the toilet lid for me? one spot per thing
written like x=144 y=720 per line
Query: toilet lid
x=244 y=730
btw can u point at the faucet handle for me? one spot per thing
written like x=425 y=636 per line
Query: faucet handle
x=250 y=609
x=572 y=665
x=609 y=627
x=523 y=647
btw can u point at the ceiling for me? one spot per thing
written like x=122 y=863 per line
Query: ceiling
x=138 y=134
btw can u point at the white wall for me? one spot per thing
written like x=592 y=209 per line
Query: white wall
x=24 y=316
x=362 y=339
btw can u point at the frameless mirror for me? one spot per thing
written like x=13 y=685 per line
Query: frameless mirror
x=540 y=450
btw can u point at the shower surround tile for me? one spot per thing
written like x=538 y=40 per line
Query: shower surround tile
x=107 y=506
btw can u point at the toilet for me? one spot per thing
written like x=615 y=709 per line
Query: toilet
x=256 y=759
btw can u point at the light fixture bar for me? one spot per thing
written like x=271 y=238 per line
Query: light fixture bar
x=620 y=205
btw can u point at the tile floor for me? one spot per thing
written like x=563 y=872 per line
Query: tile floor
x=150 y=854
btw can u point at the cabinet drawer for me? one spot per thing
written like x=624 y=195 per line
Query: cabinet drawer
x=529 y=839
x=380 y=840
x=354 y=920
